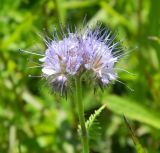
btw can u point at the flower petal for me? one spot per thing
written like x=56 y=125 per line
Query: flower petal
x=48 y=71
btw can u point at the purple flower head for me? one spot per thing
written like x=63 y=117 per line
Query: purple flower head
x=62 y=60
x=84 y=51
x=97 y=47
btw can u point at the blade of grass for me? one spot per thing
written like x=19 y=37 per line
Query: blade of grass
x=137 y=144
x=61 y=11
x=104 y=5
x=79 y=4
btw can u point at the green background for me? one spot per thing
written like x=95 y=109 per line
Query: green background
x=34 y=120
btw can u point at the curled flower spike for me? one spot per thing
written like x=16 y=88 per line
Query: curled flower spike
x=84 y=51
x=62 y=60
x=97 y=54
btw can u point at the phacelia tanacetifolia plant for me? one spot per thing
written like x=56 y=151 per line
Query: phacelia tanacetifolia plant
x=66 y=60
x=85 y=51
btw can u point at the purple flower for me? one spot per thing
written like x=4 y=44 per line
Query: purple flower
x=98 y=47
x=62 y=60
x=84 y=51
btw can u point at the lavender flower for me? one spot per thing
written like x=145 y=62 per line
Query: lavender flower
x=86 y=51
x=98 y=54
x=62 y=60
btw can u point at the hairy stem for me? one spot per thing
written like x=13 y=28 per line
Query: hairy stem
x=84 y=134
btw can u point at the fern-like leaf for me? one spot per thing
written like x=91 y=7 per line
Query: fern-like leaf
x=93 y=117
x=92 y=125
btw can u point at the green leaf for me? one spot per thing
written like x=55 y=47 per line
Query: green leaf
x=92 y=125
x=133 y=110
x=93 y=117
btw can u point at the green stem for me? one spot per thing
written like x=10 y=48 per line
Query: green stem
x=84 y=134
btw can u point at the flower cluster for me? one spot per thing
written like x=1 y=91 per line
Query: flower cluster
x=87 y=51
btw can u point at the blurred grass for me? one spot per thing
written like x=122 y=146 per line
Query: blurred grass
x=33 y=120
